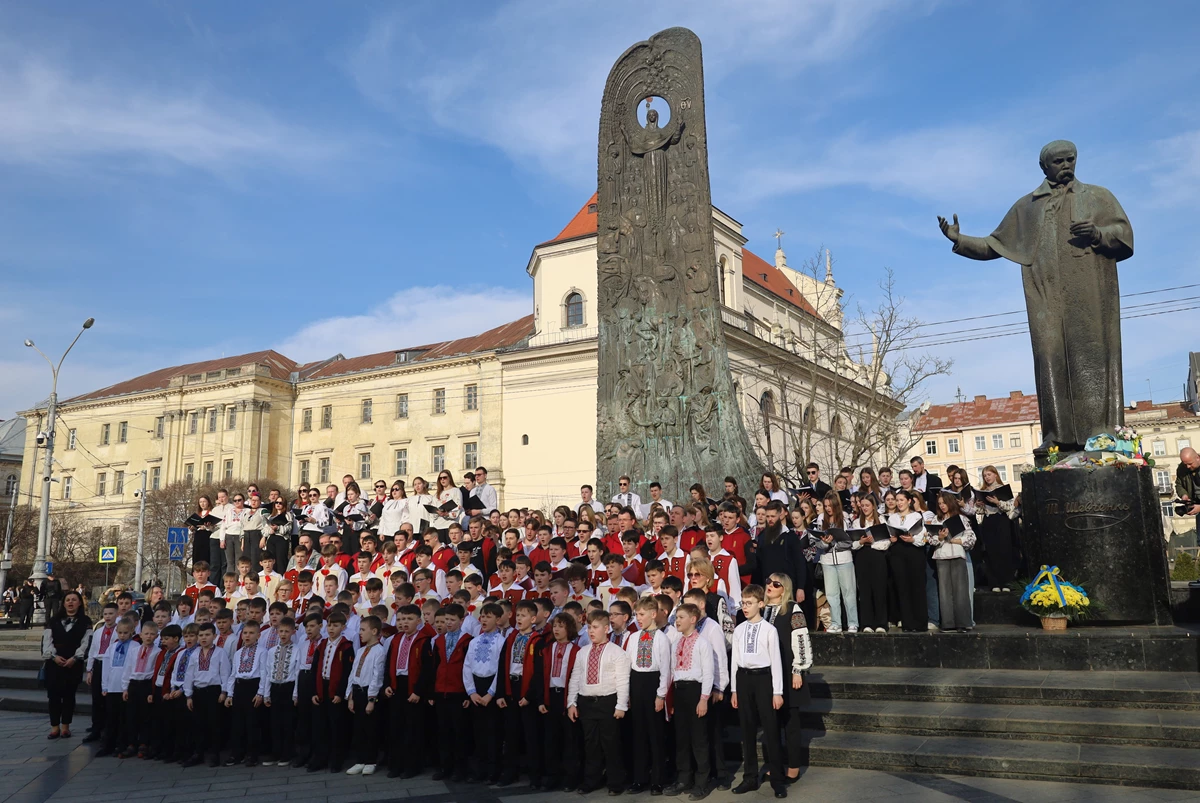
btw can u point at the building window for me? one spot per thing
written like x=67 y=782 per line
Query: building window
x=323 y=470
x=10 y=486
x=304 y=472
x=195 y=379
x=439 y=458
x=997 y=441
x=439 y=401
x=1014 y=441
x=402 y=405
x=193 y=422
x=952 y=445
x=364 y=466
x=1168 y=509
x=471 y=394
x=327 y=417
x=306 y=420
x=402 y=462
x=68 y=486
x=106 y=431
x=212 y=419
x=1162 y=478
x=368 y=411
x=119 y=483
x=72 y=439
x=189 y=473
x=980 y=443
x=123 y=432
x=155 y=478
x=1182 y=443
x=470 y=455
x=102 y=484
x=227 y=470
x=574 y=307
x=1160 y=448
x=208 y=472
x=931 y=447
x=160 y=424
x=835 y=426
x=1003 y=472
x=230 y=372
x=524 y=440
x=212 y=376
x=231 y=417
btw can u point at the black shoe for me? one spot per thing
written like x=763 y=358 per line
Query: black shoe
x=780 y=792
x=315 y=768
x=702 y=791
x=232 y=762
x=92 y=736
x=193 y=760
x=636 y=788
x=676 y=789
x=440 y=775
x=104 y=751
x=745 y=786
x=215 y=762
x=615 y=792
x=409 y=774
x=297 y=763
x=584 y=791
x=252 y=762
x=535 y=784
x=503 y=782
x=721 y=783
x=655 y=791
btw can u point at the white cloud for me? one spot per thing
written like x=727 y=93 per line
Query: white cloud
x=413 y=317
x=53 y=117
x=528 y=78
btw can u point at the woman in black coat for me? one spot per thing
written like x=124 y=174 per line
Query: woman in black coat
x=795 y=652
x=65 y=643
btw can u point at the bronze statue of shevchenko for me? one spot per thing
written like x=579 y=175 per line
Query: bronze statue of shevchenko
x=1067 y=237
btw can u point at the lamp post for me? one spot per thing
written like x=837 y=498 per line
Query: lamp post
x=39 y=562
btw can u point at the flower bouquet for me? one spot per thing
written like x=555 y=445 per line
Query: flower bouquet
x=1054 y=600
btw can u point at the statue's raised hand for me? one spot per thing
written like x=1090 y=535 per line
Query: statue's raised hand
x=949 y=229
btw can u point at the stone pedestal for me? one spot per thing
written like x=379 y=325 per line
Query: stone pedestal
x=1103 y=529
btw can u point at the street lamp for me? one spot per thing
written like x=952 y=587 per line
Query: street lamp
x=39 y=562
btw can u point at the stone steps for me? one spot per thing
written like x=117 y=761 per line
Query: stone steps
x=1125 y=765
x=1119 y=726
x=34 y=700
x=1132 y=690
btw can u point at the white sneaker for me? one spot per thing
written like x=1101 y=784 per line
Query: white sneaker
x=995 y=590
x=834 y=629
x=357 y=769
x=369 y=769
x=932 y=627
x=267 y=763
x=868 y=630
x=852 y=629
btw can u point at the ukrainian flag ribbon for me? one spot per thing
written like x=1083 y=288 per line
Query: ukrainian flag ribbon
x=1050 y=575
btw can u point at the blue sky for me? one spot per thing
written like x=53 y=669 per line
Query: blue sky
x=217 y=178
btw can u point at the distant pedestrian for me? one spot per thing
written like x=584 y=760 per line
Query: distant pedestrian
x=25 y=600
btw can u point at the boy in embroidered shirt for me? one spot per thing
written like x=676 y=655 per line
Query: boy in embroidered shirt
x=366 y=681
x=756 y=677
x=655 y=573
x=692 y=670
x=203 y=682
x=183 y=611
x=454 y=583
x=649 y=653
x=332 y=664
x=242 y=696
x=360 y=577
x=268 y=636
x=598 y=697
x=620 y=614
x=200 y=573
x=137 y=686
x=615 y=580
x=424 y=560
x=523 y=575
x=162 y=736
x=268 y=578
x=372 y=596
x=306 y=688
x=450 y=695
x=277 y=688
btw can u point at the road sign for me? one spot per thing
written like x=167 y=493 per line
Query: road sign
x=176 y=551
x=108 y=554
x=49 y=567
x=177 y=535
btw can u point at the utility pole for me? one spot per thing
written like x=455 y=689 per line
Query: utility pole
x=6 y=563
x=39 y=562
x=137 y=571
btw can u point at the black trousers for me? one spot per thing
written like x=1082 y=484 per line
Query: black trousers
x=406 y=730
x=755 y=710
x=250 y=539
x=364 y=748
x=648 y=726
x=61 y=685
x=714 y=721
x=487 y=728
x=330 y=734
x=560 y=741
x=137 y=712
x=181 y=728
x=279 y=547
x=159 y=737
x=98 y=708
x=999 y=565
x=282 y=714
x=114 y=722
x=601 y=742
x=871 y=575
x=206 y=716
x=245 y=737
x=691 y=733
x=305 y=689
x=908 y=571
x=521 y=737
x=453 y=729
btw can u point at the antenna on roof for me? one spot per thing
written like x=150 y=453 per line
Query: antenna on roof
x=958 y=397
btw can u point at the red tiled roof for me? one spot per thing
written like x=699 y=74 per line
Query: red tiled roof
x=1173 y=410
x=280 y=366
x=771 y=279
x=506 y=335
x=982 y=412
x=585 y=223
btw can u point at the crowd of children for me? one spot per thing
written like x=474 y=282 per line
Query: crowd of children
x=581 y=664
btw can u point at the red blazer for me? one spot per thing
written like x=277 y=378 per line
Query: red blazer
x=449 y=672
x=514 y=594
x=676 y=567
x=537 y=555
x=527 y=666
x=689 y=538
x=339 y=672
x=721 y=567
x=635 y=573
x=735 y=544
x=416 y=655
x=162 y=654
x=442 y=558
x=596 y=577
x=194 y=590
x=547 y=665
x=343 y=560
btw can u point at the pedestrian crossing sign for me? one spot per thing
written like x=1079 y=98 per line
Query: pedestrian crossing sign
x=176 y=551
x=108 y=554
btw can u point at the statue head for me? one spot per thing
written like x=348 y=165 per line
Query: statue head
x=1058 y=161
x=652 y=118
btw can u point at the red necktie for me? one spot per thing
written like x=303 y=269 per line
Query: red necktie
x=593 y=667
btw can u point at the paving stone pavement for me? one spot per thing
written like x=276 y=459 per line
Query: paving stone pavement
x=34 y=769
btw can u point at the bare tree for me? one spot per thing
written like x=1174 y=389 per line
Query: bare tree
x=839 y=402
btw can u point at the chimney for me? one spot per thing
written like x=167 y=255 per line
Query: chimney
x=1015 y=394
x=980 y=399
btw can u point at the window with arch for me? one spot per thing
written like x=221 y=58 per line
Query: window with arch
x=835 y=426
x=767 y=404
x=722 y=269
x=807 y=415
x=574 y=309
x=10 y=486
